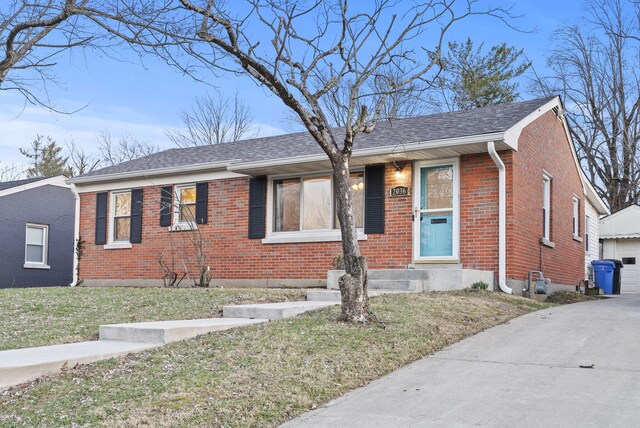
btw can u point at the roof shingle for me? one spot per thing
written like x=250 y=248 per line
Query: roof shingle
x=486 y=120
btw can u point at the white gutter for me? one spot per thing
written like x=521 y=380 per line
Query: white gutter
x=76 y=236
x=372 y=151
x=502 y=219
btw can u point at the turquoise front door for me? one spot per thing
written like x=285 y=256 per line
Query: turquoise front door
x=436 y=212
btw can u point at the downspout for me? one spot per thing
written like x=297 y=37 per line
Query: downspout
x=76 y=235
x=502 y=219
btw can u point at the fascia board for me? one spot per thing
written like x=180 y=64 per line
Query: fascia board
x=59 y=181
x=149 y=172
x=512 y=135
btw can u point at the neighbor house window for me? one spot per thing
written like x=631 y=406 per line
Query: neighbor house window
x=309 y=203
x=37 y=243
x=576 y=212
x=185 y=205
x=546 y=207
x=587 y=228
x=121 y=216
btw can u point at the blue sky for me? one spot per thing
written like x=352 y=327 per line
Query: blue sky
x=143 y=97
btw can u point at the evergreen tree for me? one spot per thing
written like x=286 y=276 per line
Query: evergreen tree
x=45 y=158
x=471 y=79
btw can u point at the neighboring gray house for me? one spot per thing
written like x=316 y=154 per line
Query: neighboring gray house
x=37 y=232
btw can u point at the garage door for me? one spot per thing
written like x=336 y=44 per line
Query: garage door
x=628 y=250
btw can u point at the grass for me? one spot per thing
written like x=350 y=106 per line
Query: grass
x=261 y=375
x=45 y=316
x=567 y=297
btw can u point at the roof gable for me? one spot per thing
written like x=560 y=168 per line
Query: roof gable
x=11 y=187
x=622 y=224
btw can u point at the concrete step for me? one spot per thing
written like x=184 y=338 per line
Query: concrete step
x=22 y=365
x=334 y=295
x=273 y=311
x=388 y=284
x=162 y=332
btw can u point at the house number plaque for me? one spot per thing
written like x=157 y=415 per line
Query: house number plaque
x=399 y=191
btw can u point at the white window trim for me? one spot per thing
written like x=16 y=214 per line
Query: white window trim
x=45 y=250
x=546 y=206
x=576 y=218
x=455 y=257
x=316 y=235
x=587 y=232
x=111 y=243
x=176 y=225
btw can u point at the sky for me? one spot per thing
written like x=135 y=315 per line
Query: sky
x=142 y=97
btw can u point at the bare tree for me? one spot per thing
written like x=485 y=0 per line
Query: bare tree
x=595 y=69
x=33 y=34
x=302 y=52
x=125 y=148
x=214 y=120
x=10 y=172
x=80 y=161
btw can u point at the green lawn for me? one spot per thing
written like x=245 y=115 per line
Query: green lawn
x=260 y=375
x=45 y=316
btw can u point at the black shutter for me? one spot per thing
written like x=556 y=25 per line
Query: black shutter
x=166 y=204
x=135 y=232
x=202 y=200
x=257 y=206
x=374 y=194
x=101 y=218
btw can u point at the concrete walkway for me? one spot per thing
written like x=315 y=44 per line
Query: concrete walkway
x=22 y=365
x=571 y=366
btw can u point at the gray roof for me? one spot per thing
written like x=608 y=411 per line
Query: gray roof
x=486 y=120
x=9 y=184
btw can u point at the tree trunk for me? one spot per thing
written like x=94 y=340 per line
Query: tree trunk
x=353 y=284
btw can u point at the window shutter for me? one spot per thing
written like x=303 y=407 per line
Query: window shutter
x=374 y=194
x=202 y=200
x=135 y=233
x=257 y=207
x=166 y=205
x=101 y=218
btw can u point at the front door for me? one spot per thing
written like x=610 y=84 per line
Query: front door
x=435 y=213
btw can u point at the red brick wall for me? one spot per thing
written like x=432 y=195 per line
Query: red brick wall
x=543 y=145
x=479 y=211
x=231 y=255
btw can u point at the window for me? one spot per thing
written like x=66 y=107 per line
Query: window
x=308 y=203
x=185 y=205
x=121 y=216
x=576 y=216
x=546 y=207
x=628 y=260
x=36 y=246
x=587 y=228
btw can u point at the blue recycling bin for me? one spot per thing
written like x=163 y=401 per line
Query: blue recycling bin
x=603 y=275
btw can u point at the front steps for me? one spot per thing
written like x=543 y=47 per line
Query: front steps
x=419 y=278
x=273 y=311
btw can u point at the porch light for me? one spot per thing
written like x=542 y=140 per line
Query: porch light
x=398 y=169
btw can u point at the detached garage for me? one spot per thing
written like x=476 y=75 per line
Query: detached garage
x=620 y=237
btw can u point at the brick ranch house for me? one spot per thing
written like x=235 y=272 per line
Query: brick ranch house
x=491 y=193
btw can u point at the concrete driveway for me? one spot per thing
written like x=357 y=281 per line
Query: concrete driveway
x=571 y=366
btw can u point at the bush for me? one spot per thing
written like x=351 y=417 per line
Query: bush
x=480 y=285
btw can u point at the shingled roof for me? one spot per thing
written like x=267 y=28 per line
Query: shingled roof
x=10 y=184
x=486 y=120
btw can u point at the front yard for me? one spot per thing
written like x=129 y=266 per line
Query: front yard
x=255 y=376
x=47 y=316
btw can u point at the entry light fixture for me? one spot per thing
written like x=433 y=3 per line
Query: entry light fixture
x=398 y=168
